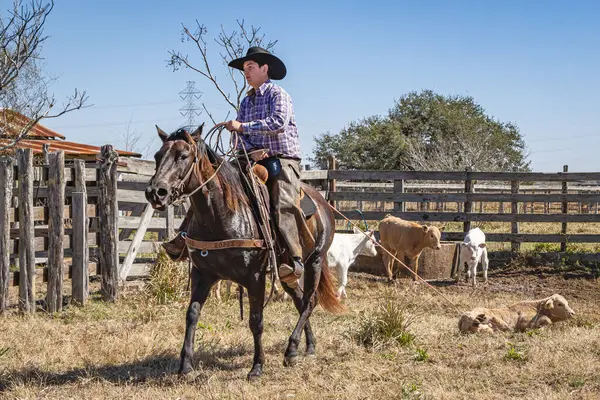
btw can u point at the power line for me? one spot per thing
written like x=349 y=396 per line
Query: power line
x=566 y=137
x=151 y=103
x=552 y=150
x=114 y=123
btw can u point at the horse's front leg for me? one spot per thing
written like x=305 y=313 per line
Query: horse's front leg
x=256 y=298
x=201 y=285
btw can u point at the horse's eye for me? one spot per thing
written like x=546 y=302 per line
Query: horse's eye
x=184 y=156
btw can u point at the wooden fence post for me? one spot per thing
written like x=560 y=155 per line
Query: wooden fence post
x=170 y=222
x=79 y=242
x=26 y=232
x=6 y=193
x=135 y=243
x=399 y=206
x=565 y=210
x=108 y=213
x=514 y=189
x=468 y=203
x=331 y=166
x=56 y=230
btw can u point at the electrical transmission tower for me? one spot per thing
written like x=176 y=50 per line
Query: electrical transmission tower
x=190 y=94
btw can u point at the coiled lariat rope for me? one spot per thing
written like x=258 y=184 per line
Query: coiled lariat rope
x=235 y=143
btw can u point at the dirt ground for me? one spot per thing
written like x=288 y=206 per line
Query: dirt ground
x=131 y=349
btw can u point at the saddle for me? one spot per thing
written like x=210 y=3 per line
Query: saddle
x=307 y=204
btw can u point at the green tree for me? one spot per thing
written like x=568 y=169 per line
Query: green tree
x=372 y=143
x=427 y=131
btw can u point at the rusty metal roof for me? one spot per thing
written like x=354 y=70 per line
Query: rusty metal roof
x=39 y=135
x=13 y=123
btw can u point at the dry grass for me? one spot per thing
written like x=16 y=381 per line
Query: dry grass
x=131 y=349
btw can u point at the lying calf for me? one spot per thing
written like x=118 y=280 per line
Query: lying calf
x=518 y=317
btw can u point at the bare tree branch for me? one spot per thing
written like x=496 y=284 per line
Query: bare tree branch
x=23 y=87
x=209 y=114
x=75 y=102
x=233 y=45
x=130 y=140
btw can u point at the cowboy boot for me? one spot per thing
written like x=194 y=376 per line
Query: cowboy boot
x=176 y=248
x=290 y=275
x=288 y=229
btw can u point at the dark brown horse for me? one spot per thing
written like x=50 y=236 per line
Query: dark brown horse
x=185 y=165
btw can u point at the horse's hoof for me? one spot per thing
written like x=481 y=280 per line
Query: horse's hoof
x=185 y=369
x=310 y=351
x=290 y=361
x=254 y=374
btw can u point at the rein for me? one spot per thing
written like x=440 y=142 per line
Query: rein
x=194 y=168
x=263 y=218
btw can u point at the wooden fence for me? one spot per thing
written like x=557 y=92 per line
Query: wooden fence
x=71 y=219
x=517 y=198
x=61 y=220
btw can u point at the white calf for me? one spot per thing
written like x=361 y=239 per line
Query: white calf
x=473 y=250
x=344 y=250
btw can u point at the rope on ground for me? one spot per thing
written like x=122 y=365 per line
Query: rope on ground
x=400 y=262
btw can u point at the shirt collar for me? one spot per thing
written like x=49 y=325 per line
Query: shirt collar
x=261 y=89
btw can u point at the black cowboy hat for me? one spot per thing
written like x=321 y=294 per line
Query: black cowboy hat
x=276 y=66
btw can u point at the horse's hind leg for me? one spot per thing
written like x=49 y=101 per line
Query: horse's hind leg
x=312 y=274
x=201 y=284
x=296 y=295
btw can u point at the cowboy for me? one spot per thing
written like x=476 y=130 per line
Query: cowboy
x=267 y=127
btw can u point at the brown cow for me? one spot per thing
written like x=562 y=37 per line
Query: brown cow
x=518 y=317
x=405 y=240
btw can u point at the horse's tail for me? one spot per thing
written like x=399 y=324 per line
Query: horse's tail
x=326 y=294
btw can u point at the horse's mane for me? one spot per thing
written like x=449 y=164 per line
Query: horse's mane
x=227 y=174
x=229 y=177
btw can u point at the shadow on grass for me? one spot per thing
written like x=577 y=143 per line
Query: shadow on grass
x=136 y=372
x=161 y=368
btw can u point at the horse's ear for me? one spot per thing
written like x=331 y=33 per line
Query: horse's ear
x=163 y=136
x=197 y=134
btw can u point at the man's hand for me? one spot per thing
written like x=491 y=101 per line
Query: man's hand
x=257 y=155
x=234 y=125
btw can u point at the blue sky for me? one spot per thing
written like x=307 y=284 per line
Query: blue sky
x=532 y=63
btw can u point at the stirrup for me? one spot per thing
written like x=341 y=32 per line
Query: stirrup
x=288 y=274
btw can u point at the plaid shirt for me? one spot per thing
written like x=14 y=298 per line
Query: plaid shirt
x=268 y=121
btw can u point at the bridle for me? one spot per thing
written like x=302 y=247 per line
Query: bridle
x=177 y=192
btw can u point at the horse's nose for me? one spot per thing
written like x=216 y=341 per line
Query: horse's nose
x=154 y=194
x=149 y=192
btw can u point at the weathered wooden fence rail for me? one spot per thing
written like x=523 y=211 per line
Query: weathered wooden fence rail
x=63 y=220
x=391 y=191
